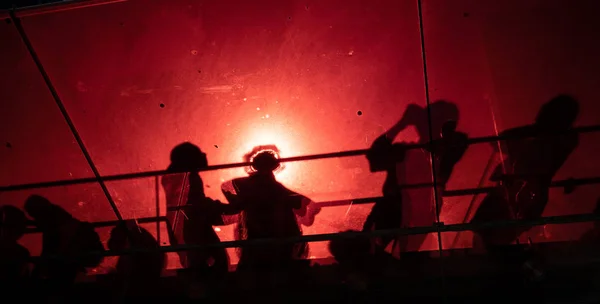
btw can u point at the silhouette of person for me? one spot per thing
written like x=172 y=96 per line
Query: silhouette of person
x=63 y=236
x=13 y=257
x=530 y=162
x=137 y=274
x=414 y=207
x=268 y=210
x=195 y=219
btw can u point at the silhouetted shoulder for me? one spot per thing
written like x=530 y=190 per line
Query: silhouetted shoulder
x=383 y=154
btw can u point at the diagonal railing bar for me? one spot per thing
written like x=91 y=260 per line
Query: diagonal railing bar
x=63 y=110
x=349 y=153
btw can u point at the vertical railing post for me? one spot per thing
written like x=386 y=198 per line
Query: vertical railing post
x=158 y=222
x=431 y=147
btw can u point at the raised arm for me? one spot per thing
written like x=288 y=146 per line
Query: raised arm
x=307 y=212
x=412 y=113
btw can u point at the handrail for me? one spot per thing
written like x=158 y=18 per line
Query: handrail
x=103 y=224
x=446 y=193
x=562 y=219
x=356 y=201
x=348 y=153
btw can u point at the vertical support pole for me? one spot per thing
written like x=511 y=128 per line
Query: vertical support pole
x=17 y=22
x=158 y=222
x=431 y=148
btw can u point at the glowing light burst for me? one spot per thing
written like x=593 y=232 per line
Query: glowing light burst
x=277 y=135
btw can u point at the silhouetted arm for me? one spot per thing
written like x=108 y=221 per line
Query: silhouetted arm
x=383 y=153
x=307 y=212
x=231 y=192
x=412 y=114
x=221 y=208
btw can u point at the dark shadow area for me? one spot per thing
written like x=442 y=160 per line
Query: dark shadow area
x=138 y=274
x=530 y=158
x=14 y=258
x=592 y=237
x=354 y=258
x=529 y=164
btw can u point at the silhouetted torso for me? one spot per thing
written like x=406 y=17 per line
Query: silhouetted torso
x=268 y=211
x=197 y=215
x=387 y=213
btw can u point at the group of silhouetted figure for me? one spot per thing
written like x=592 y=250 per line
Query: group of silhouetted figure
x=263 y=208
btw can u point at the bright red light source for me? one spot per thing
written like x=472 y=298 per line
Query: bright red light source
x=275 y=138
x=261 y=149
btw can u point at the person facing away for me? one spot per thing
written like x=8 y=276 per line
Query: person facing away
x=138 y=274
x=268 y=210
x=13 y=256
x=414 y=207
x=196 y=214
x=532 y=156
x=63 y=236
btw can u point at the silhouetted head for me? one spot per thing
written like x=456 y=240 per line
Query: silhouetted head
x=119 y=234
x=350 y=250
x=263 y=159
x=44 y=213
x=187 y=156
x=558 y=113
x=448 y=128
x=12 y=223
x=442 y=111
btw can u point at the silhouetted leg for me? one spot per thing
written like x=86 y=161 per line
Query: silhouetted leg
x=173 y=240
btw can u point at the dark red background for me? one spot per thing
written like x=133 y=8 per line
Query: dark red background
x=234 y=74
